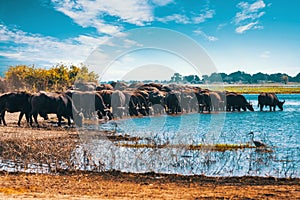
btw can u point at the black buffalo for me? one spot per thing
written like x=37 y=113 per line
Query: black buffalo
x=15 y=102
x=204 y=101
x=137 y=103
x=172 y=103
x=237 y=101
x=58 y=103
x=156 y=101
x=106 y=96
x=89 y=102
x=271 y=100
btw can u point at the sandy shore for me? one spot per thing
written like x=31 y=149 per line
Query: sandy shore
x=116 y=185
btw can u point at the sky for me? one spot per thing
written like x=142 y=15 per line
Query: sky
x=114 y=37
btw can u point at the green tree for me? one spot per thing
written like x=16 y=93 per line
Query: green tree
x=84 y=75
x=176 y=78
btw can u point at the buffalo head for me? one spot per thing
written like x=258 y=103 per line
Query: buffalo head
x=280 y=105
x=250 y=107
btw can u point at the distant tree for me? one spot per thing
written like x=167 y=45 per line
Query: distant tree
x=240 y=77
x=189 y=78
x=285 y=79
x=73 y=72
x=176 y=78
x=296 y=78
x=215 y=77
x=85 y=76
x=205 y=78
x=276 y=77
x=260 y=77
x=223 y=75
x=197 y=79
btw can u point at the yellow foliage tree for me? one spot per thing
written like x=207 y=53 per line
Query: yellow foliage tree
x=57 y=78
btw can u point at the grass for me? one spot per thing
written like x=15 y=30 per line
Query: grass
x=256 y=89
x=211 y=147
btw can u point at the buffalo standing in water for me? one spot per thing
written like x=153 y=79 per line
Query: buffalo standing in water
x=237 y=101
x=172 y=103
x=271 y=100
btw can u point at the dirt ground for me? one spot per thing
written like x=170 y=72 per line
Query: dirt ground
x=117 y=185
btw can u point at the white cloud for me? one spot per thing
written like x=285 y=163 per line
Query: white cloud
x=257 y=5
x=177 y=18
x=183 y=19
x=205 y=36
x=208 y=14
x=251 y=25
x=248 y=17
x=162 y=2
x=38 y=49
x=242 y=16
x=90 y=13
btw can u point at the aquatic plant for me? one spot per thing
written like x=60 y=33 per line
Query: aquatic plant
x=211 y=147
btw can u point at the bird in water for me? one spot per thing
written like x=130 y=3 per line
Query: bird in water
x=115 y=125
x=257 y=143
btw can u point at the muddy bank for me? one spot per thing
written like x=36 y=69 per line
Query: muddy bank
x=116 y=185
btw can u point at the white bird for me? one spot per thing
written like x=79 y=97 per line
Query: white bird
x=257 y=143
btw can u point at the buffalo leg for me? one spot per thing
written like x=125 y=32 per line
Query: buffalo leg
x=27 y=117
x=20 y=118
x=261 y=107
x=270 y=108
x=59 y=120
x=35 y=119
x=69 y=121
x=2 y=117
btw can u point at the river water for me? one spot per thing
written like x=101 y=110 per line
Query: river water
x=280 y=130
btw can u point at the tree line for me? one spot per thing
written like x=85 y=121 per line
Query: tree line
x=56 y=78
x=236 y=77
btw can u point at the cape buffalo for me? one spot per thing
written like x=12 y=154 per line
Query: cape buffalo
x=204 y=101
x=15 y=102
x=156 y=101
x=118 y=103
x=269 y=99
x=172 y=103
x=89 y=102
x=106 y=96
x=217 y=102
x=237 y=101
x=138 y=104
x=57 y=103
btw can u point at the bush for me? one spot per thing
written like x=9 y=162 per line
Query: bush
x=57 y=78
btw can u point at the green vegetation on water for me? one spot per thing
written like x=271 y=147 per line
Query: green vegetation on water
x=211 y=147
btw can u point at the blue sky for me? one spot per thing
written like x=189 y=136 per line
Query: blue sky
x=251 y=36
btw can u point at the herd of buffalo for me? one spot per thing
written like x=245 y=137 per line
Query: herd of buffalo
x=108 y=101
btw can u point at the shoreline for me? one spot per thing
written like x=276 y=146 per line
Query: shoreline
x=116 y=185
